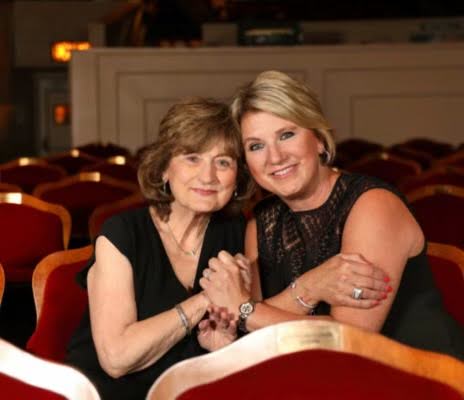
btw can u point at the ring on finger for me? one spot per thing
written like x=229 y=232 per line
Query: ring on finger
x=357 y=293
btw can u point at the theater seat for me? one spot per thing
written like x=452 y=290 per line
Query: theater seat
x=118 y=167
x=81 y=194
x=59 y=301
x=9 y=187
x=438 y=175
x=103 y=212
x=27 y=377
x=31 y=229
x=447 y=263
x=2 y=283
x=72 y=161
x=313 y=359
x=386 y=166
x=439 y=211
x=28 y=172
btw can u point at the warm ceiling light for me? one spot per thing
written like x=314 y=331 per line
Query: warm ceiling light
x=61 y=51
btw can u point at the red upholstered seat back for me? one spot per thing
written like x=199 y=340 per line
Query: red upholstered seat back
x=72 y=163
x=126 y=172
x=105 y=211
x=436 y=176
x=27 y=235
x=29 y=176
x=389 y=169
x=450 y=281
x=441 y=217
x=64 y=303
x=81 y=198
x=320 y=374
x=13 y=389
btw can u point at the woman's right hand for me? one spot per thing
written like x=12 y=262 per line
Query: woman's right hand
x=334 y=280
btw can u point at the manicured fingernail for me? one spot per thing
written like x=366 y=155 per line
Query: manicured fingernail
x=390 y=289
x=386 y=279
x=384 y=296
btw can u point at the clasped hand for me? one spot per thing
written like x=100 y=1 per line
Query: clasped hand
x=227 y=281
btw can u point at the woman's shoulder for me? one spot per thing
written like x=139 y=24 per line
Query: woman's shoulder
x=128 y=218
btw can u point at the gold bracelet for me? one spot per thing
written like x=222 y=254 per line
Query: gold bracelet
x=183 y=318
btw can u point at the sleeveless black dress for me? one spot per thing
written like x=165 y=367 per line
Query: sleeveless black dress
x=157 y=289
x=291 y=243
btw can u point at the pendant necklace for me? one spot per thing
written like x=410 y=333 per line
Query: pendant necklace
x=194 y=251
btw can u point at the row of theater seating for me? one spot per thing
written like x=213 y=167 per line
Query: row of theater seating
x=289 y=351
x=402 y=165
x=33 y=228
x=60 y=302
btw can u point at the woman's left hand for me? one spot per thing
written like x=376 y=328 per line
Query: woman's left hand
x=227 y=281
x=218 y=330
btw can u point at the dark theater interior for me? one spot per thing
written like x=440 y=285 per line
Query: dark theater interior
x=257 y=199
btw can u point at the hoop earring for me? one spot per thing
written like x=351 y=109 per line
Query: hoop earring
x=324 y=157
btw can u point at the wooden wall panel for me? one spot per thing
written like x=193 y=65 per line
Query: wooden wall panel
x=120 y=95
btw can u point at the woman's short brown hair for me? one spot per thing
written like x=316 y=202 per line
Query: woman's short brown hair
x=192 y=126
x=279 y=94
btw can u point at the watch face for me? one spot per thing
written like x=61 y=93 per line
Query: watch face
x=246 y=308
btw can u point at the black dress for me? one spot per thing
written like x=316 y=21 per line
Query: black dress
x=157 y=289
x=291 y=243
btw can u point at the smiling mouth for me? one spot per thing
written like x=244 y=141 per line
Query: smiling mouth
x=283 y=172
x=204 y=192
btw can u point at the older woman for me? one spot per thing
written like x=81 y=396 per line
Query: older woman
x=144 y=295
x=323 y=222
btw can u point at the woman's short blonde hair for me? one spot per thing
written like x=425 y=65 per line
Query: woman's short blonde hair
x=191 y=126
x=277 y=93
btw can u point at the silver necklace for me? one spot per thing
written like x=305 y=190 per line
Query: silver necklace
x=194 y=251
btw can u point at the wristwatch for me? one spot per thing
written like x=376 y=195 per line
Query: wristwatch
x=245 y=310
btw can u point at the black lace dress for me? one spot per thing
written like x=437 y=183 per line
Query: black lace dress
x=291 y=243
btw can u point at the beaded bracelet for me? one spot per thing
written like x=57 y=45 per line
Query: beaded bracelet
x=183 y=318
x=311 y=308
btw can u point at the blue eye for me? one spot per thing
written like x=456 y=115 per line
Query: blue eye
x=255 y=146
x=287 y=135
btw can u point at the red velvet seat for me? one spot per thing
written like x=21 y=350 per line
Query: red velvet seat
x=313 y=359
x=59 y=301
x=455 y=159
x=432 y=147
x=30 y=172
x=439 y=211
x=8 y=187
x=24 y=376
x=424 y=159
x=118 y=167
x=83 y=193
x=353 y=149
x=72 y=161
x=440 y=174
x=2 y=283
x=321 y=374
x=31 y=229
x=447 y=263
x=104 y=150
x=103 y=212
x=385 y=166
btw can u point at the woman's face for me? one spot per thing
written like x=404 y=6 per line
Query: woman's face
x=282 y=156
x=202 y=182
